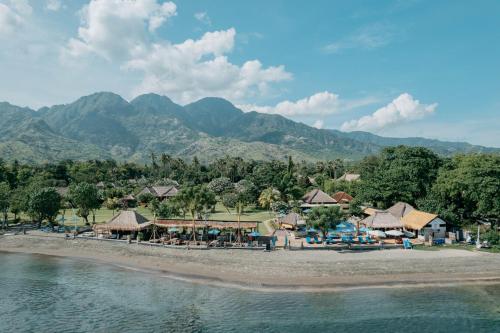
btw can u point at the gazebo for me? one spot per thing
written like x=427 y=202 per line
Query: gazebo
x=126 y=221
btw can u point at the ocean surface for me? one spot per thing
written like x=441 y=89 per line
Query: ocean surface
x=48 y=294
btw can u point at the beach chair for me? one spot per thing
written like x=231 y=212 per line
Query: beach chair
x=309 y=240
x=317 y=240
x=407 y=244
x=361 y=240
x=346 y=239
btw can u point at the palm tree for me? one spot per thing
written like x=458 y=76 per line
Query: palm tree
x=268 y=197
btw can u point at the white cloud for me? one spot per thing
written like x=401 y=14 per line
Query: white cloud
x=53 y=5
x=369 y=37
x=320 y=104
x=319 y=124
x=203 y=18
x=402 y=109
x=200 y=68
x=118 y=28
x=13 y=15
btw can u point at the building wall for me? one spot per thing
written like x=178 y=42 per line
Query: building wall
x=436 y=228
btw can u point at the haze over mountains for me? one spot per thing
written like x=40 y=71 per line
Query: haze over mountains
x=104 y=126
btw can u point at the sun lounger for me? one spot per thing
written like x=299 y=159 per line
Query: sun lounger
x=347 y=239
x=361 y=240
x=369 y=240
x=407 y=244
x=309 y=240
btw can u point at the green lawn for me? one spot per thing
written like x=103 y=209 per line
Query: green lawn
x=104 y=215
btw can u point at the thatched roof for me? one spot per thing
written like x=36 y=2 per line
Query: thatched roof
x=161 y=191
x=218 y=224
x=125 y=220
x=293 y=219
x=400 y=209
x=129 y=197
x=342 y=197
x=417 y=219
x=318 y=197
x=371 y=210
x=382 y=220
x=349 y=177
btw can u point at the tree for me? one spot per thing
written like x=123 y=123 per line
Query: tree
x=18 y=202
x=146 y=198
x=467 y=188
x=195 y=200
x=324 y=218
x=267 y=197
x=113 y=204
x=4 y=202
x=220 y=185
x=86 y=198
x=44 y=204
x=399 y=174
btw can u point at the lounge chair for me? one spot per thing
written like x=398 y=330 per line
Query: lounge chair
x=309 y=240
x=361 y=240
x=346 y=239
x=407 y=244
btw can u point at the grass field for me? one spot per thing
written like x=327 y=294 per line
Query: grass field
x=104 y=215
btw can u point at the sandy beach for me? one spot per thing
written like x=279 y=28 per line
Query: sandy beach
x=280 y=270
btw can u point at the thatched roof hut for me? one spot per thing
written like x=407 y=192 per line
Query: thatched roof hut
x=160 y=192
x=400 y=209
x=342 y=197
x=292 y=220
x=382 y=220
x=125 y=220
x=349 y=177
x=317 y=197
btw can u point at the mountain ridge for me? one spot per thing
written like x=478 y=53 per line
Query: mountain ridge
x=105 y=125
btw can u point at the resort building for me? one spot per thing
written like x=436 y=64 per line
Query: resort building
x=317 y=198
x=425 y=225
x=125 y=222
x=382 y=221
x=400 y=209
x=342 y=198
x=160 y=192
x=292 y=221
x=349 y=177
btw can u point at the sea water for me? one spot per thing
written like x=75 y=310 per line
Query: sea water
x=50 y=294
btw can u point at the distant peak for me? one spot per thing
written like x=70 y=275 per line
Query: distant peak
x=151 y=98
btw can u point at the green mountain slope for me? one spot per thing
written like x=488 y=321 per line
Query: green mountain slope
x=104 y=125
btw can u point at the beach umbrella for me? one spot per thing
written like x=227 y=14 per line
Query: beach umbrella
x=394 y=233
x=377 y=233
x=254 y=234
x=409 y=234
x=311 y=230
x=213 y=231
x=173 y=229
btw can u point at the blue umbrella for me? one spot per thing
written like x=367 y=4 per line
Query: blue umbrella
x=254 y=234
x=311 y=230
x=213 y=231
x=173 y=229
x=364 y=229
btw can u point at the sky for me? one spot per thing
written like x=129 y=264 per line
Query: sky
x=394 y=68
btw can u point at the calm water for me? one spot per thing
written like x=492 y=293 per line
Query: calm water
x=44 y=294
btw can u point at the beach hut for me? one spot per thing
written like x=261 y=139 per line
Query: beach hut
x=160 y=192
x=425 y=225
x=317 y=198
x=400 y=209
x=382 y=221
x=371 y=210
x=125 y=222
x=349 y=177
x=292 y=221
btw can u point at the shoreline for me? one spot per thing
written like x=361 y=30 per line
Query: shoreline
x=278 y=271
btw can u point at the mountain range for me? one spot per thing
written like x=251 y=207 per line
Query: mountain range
x=106 y=126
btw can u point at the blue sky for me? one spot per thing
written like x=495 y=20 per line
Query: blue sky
x=395 y=68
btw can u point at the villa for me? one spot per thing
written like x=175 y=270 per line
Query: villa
x=349 y=177
x=160 y=192
x=316 y=198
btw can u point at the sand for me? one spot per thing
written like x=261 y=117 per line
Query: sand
x=280 y=270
